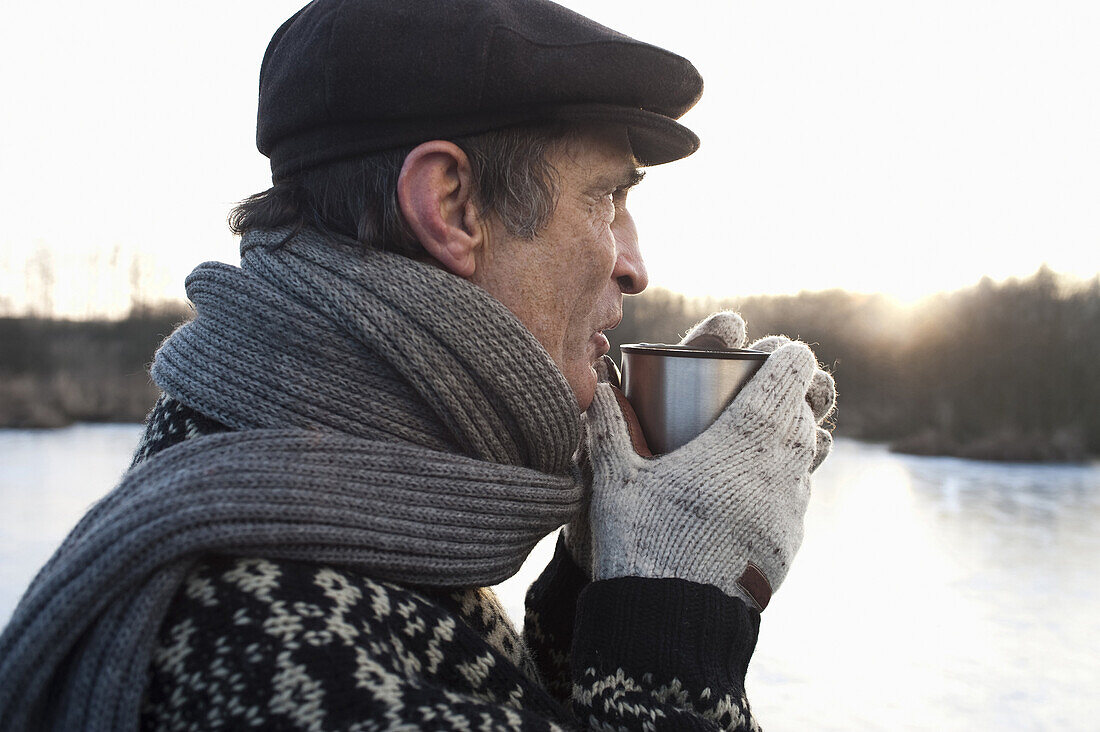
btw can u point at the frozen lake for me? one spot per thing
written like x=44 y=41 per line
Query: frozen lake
x=930 y=593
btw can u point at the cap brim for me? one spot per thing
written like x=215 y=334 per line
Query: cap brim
x=654 y=138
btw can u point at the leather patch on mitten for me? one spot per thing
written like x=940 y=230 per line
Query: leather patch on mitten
x=637 y=437
x=607 y=371
x=756 y=586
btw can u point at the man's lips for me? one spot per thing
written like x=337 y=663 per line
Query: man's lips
x=602 y=344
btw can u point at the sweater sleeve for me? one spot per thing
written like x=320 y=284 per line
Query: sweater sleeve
x=551 y=610
x=638 y=653
x=662 y=654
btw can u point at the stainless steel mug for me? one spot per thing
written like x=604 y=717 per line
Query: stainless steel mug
x=678 y=391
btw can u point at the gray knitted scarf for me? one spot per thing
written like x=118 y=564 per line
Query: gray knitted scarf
x=390 y=418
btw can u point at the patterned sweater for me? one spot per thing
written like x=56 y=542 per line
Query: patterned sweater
x=250 y=643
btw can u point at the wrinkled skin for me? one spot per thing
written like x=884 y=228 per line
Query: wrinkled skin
x=567 y=283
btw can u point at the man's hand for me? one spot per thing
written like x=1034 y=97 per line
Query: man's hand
x=727 y=508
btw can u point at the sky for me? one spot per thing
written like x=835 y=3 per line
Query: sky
x=887 y=146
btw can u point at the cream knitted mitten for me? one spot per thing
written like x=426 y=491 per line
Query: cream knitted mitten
x=727 y=508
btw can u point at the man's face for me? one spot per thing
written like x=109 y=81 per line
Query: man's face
x=567 y=284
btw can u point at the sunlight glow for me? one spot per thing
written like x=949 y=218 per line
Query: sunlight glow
x=877 y=147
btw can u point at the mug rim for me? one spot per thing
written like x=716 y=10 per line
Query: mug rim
x=661 y=349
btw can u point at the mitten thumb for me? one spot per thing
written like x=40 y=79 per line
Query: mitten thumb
x=724 y=329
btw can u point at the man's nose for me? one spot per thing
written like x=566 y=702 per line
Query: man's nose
x=633 y=277
x=630 y=271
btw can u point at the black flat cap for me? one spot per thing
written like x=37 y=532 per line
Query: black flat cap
x=346 y=77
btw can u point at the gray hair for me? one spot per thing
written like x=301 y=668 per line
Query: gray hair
x=357 y=198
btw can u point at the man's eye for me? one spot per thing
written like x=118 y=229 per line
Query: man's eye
x=602 y=208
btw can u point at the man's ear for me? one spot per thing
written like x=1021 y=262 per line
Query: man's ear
x=435 y=193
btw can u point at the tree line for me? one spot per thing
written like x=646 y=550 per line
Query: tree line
x=1004 y=371
x=998 y=371
x=55 y=372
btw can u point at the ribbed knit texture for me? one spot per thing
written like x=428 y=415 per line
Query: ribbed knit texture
x=301 y=328
x=694 y=633
x=392 y=419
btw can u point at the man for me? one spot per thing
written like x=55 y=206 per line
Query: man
x=380 y=413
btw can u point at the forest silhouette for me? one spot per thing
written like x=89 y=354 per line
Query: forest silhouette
x=1003 y=371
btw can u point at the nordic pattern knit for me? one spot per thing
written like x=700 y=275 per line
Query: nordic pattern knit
x=250 y=643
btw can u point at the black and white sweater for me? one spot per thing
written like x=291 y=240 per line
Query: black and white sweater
x=250 y=643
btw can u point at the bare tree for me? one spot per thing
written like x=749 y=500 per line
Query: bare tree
x=40 y=279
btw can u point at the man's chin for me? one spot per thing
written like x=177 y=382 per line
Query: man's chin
x=583 y=383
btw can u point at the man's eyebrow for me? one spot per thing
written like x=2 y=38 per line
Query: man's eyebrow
x=622 y=180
